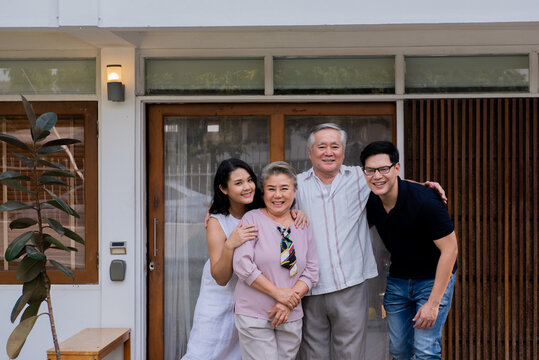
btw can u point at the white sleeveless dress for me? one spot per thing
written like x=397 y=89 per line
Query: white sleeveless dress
x=214 y=335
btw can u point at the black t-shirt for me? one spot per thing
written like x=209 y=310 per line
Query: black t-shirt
x=410 y=228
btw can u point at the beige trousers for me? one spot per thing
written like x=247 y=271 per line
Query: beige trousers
x=259 y=340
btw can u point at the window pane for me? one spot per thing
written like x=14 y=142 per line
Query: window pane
x=73 y=160
x=450 y=74
x=361 y=130
x=334 y=75
x=50 y=76
x=204 y=76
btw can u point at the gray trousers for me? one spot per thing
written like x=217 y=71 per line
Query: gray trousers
x=259 y=340
x=335 y=325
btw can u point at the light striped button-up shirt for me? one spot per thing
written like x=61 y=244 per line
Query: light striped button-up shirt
x=338 y=219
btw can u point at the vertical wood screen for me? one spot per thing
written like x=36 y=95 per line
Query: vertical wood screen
x=485 y=154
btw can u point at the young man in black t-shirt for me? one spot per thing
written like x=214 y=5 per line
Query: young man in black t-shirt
x=417 y=231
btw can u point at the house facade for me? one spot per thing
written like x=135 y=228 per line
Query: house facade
x=455 y=86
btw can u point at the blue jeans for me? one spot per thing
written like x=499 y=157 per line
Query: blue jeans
x=402 y=300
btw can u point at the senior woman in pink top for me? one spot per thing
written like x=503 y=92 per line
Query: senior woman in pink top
x=275 y=271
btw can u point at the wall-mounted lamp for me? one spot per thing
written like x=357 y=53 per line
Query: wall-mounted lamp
x=115 y=88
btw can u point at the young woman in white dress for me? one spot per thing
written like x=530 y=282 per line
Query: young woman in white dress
x=214 y=335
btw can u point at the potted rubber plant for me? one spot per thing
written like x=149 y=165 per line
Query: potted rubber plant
x=40 y=232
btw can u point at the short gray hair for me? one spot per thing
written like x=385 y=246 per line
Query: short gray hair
x=310 y=139
x=276 y=168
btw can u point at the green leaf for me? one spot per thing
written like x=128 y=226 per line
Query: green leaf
x=13 y=141
x=56 y=242
x=36 y=288
x=58 y=173
x=28 y=269
x=13 y=175
x=44 y=150
x=14 y=205
x=15 y=184
x=51 y=180
x=22 y=223
x=51 y=164
x=71 y=248
x=62 y=268
x=19 y=335
x=47 y=121
x=74 y=236
x=47 y=206
x=38 y=291
x=36 y=239
x=56 y=226
x=31 y=310
x=14 y=249
x=19 y=305
x=54 y=196
x=59 y=142
x=30 y=114
x=60 y=204
x=42 y=135
x=32 y=291
x=34 y=253
x=26 y=160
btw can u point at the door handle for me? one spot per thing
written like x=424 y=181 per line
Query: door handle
x=154 y=237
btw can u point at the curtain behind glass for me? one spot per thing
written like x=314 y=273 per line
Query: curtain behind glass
x=194 y=147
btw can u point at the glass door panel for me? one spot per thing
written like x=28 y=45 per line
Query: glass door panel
x=361 y=130
x=193 y=148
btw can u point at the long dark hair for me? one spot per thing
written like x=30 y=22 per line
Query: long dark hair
x=220 y=203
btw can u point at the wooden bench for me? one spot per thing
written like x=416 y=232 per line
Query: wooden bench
x=94 y=344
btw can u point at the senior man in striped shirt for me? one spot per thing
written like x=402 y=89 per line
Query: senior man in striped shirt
x=334 y=197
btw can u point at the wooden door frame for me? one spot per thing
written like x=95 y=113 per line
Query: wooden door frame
x=155 y=157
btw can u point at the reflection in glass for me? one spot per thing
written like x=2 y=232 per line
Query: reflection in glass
x=334 y=75
x=194 y=147
x=361 y=130
x=218 y=76
x=48 y=76
x=466 y=74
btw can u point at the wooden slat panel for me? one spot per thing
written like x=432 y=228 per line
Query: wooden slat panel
x=415 y=142
x=499 y=258
x=535 y=227
x=521 y=223
x=485 y=231
x=508 y=229
x=484 y=152
x=490 y=224
x=527 y=235
x=454 y=115
x=476 y=200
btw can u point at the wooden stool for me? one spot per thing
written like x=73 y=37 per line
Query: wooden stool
x=94 y=344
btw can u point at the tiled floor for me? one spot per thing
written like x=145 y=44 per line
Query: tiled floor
x=377 y=341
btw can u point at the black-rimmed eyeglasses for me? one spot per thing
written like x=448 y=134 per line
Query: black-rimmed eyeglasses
x=383 y=170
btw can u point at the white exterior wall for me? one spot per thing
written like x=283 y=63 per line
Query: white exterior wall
x=124 y=31
x=107 y=304
x=166 y=13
